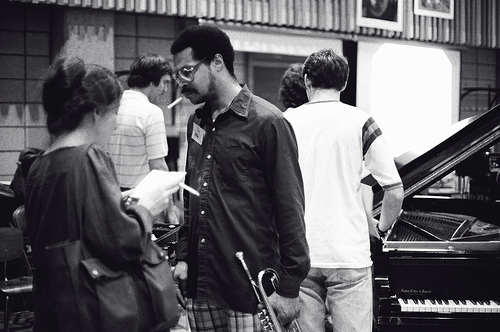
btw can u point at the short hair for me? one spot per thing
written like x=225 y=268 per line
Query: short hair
x=149 y=68
x=327 y=70
x=292 y=92
x=206 y=41
x=72 y=89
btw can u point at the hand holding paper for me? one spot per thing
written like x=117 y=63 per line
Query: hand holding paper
x=156 y=189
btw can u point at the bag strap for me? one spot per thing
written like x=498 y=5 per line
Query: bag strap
x=75 y=230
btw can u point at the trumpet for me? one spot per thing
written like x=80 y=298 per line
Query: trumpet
x=267 y=282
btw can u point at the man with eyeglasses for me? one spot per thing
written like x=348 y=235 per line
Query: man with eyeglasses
x=242 y=158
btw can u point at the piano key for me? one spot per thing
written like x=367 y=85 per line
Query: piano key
x=416 y=305
x=463 y=305
x=470 y=306
x=421 y=303
x=405 y=305
x=477 y=305
x=449 y=306
x=487 y=306
x=446 y=305
x=494 y=306
x=413 y=305
x=434 y=305
x=481 y=305
x=429 y=306
x=440 y=307
x=455 y=306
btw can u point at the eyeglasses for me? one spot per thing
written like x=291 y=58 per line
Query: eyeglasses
x=186 y=73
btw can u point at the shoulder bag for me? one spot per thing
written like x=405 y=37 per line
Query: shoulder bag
x=91 y=296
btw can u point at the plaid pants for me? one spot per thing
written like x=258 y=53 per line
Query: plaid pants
x=204 y=317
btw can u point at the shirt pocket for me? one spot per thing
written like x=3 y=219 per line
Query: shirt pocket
x=233 y=164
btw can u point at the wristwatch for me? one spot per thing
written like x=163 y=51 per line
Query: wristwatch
x=380 y=233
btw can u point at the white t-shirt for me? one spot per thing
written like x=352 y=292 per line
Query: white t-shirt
x=336 y=141
x=139 y=137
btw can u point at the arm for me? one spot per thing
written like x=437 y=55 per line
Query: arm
x=367 y=197
x=391 y=207
x=156 y=141
x=288 y=199
x=115 y=233
x=182 y=250
x=158 y=163
x=380 y=162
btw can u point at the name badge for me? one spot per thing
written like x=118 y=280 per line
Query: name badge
x=198 y=134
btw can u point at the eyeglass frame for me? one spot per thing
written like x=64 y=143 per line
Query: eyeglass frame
x=192 y=70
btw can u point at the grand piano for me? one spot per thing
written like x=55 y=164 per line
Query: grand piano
x=439 y=266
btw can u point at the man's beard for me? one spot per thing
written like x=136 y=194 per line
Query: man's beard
x=196 y=97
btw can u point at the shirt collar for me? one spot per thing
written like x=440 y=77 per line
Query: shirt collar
x=136 y=94
x=239 y=105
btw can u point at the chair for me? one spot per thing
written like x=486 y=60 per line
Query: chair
x=11 y=248
x=19 y=221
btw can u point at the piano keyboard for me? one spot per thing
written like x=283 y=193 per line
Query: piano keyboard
x=449 y=306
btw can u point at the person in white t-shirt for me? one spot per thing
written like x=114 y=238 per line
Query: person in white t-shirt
x=139 y=143
x=336 y=142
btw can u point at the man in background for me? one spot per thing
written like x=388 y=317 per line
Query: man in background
x=336 y=142
x=139 y=143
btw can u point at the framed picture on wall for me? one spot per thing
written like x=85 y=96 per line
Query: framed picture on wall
x=434 y=8
x=380 y=14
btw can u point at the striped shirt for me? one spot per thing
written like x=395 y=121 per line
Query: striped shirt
x=140 y=136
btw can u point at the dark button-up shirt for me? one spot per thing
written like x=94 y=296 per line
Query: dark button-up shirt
x=245 y=166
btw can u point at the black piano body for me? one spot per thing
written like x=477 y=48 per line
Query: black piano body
x=439 y=268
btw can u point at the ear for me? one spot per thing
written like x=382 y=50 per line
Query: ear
x=307 y=81
x=308 y=86
x=147 y=89
x=218 y=61
x=96 y=113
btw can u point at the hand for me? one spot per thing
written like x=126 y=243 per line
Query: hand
x=372 y=229
x=174 y=214
x=126 y=197
x=382 y=234
x=127 y=193
x=286 y=308
x=157 y=199
x=180 y=275
x=155 y=190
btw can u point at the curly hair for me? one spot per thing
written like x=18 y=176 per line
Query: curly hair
x=292 y=92
x=206 y=41
x=72 y=89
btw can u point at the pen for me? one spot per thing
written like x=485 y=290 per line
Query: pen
x=188 y=188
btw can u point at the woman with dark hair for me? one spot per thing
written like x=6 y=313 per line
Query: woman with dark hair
x=74 y=183
x=292 y=91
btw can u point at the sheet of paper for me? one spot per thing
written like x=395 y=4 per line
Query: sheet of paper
x=159 y=179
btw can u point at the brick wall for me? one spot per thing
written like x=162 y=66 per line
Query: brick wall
x=24 y=55
x=478 y=71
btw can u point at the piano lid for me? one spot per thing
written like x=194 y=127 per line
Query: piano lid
x=418 y=171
